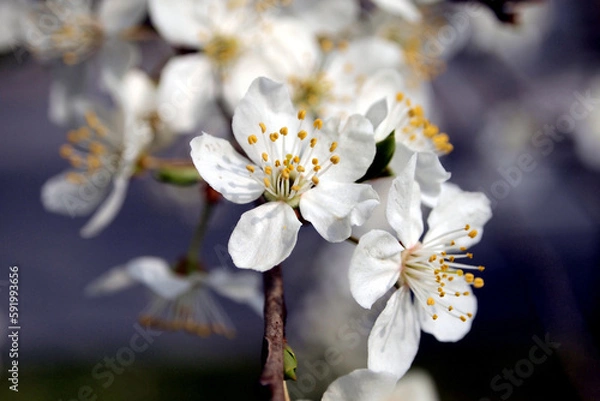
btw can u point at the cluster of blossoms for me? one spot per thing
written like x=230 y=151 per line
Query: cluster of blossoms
x=323 y=100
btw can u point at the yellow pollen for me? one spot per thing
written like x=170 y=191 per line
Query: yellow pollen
x=76 y=161
x=302 y=135
x=316 y=168
x=277 y=163
x=434 y=317
x=442 y=294
x=399 y=96
x=452 y=243
x=268 y=170
x=285 y=173
x=481 y=268
x=450 y=278
x=283 y=131
x=75 y=178
x=478 y=283
x=295 y=188
x=315 y=161
x=457 y=294
x=92 y=119
x=469 y=255
x=301 y=114
x=463 y=248
x=467 y=227
x=430 y=301
x=263 y=127
x=296 y=159
x=451 y=258
x=459 y=272
x=66 y=151
x=318 y=124
x=333 y=146
x=335 y=159
x=97 y=148
x=313 y=142
x=466 y=293
x=464 y=319
x=450 y=308
x=267 y=182
x=265 y=156
x=250 y=168
x=300 y=169
x=469 y=277
x=93 y=162
x=274 y=136
x=440 y=289
x=473 y=234
x=470 y=314
x=315 y=180
x=252 y=139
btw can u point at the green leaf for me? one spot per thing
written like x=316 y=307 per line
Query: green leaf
x=289 y=363
x=383 y=156
x=178 y=175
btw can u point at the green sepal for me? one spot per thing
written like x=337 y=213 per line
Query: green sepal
x=182 y=176
x=289 y=363
x=383 y=156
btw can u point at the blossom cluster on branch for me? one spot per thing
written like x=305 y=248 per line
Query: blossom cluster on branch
x=295 y=107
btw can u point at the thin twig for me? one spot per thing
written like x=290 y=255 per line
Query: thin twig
x=274 y=337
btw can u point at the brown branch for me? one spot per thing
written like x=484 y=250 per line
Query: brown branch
x=274 y=337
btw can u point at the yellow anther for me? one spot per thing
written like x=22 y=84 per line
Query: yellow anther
x=285 y=173
x=97 y=148
x=268 y=170
x=302 y=135
x=412 y=138
x=265 y=156
x=443 y=253
x=315 y=180
x=91 y=119
x=478 y=283
x=301 y=114
x=296 y=159
x=313 y=142
x=457 y=294
x=335 y=159
x=316 y=168
x=440 y=289
x=452 y=243
x=75 y=178
x=399 y=96
x=450 y=278
x=430 y=301
x=333 y=147
x=473 y=234
x=252 y=139
x=273 y=136
x=283 y=131
x=93 y=162
x=76 y=161
x=289 y=157
x=295 y=188
x=267 y=182
x=470 y=314
x=467 y=227
x=277 y=163
x=442 y=284
x=263 y=127
x=463 y=248
x=315 y=161
x=466 y=293
x=469 y=255
x=442 y=294
x=66 y=151
x=459 y=272
x=318 y=124
x=250 y=168
x=464 y=319
x=481 y=268
x=469 y=277
x=300 y=169
x=432 y=257
x=434 y=317
x=450 y=308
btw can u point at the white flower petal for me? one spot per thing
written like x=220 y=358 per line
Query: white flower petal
x=394 y=339
x=116 y=279
x=404 y=8
x=117 y=15
x=180 y=22
x=378 y=219
x=454 y=210
x=415 y=385
x=59 y=195
x=376 y=113
x=264 y=237
x=375 y=267
x=109 y=208
x=356 y=148
x=326 y=17
x=137 y=93
x=404 y=206
x=186 y=92
x=429 y=172
x=116 y=58
x=448 y=327
x=224 y=169
x=158 y=276
x=242 y=286
x=361 y=385
x=333 y=208
x=267 y=102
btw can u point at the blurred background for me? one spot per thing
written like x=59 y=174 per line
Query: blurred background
x=512 y=105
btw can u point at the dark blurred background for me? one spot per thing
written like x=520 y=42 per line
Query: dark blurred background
x=541 y=248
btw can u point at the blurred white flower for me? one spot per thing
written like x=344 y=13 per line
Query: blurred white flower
x=408 y=9
x=433 y=292
x=292 y=168
x=182 y=300
x=366 y=385
x=11 y=12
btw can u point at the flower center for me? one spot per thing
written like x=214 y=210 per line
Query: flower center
x=415 y=130
x=289 y=165
x=88 y=149
x=76 y=39
x=310 y=93
x=222 y=49
x=434 y=275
